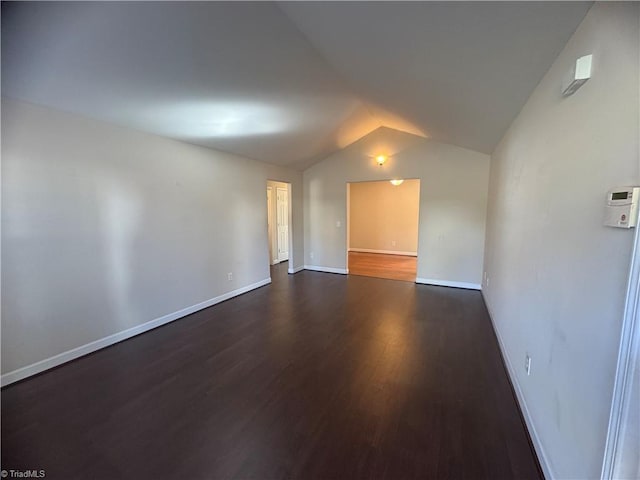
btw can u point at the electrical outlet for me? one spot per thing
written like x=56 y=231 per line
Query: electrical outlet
x=338 y=223
x=230 y=276
x=393 y=243
x=311 y=255
x=527 y=364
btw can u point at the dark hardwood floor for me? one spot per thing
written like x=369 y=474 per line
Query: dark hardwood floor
x=315 y=376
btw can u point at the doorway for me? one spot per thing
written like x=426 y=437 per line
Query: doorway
x=278 y=222
x=282 y=223
x=382 y=229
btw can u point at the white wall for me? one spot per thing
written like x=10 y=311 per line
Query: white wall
x=273 y=234
x=557 y=276
x=105 y=228
x=453 y=195
x=384 y=217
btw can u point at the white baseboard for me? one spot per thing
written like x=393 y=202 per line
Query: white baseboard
x=447 y=283
x=91 y=347
x=315 y=268
x=296 y=269
x=535 y=439
x=387 y=252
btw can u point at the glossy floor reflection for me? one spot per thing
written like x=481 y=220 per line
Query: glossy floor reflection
x=315 y=376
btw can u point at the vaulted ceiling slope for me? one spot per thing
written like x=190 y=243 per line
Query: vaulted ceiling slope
x=286 y=83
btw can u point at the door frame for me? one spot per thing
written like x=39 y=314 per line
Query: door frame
x=289 y=187
x=270 y=223
x=286 y=215
x=628 y=360
x=348 y=218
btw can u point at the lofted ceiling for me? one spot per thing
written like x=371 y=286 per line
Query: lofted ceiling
x=290 y=82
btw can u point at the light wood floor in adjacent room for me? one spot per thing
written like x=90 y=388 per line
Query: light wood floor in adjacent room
x=394 y=267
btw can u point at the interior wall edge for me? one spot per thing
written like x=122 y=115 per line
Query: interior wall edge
x=91 y=347
x=448 y=283
x=543 y=458
x=318 y=268
x=385 y=252
x=622 y=397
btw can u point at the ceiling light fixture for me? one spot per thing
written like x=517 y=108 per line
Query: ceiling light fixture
x=397 y=182
x=380 y=159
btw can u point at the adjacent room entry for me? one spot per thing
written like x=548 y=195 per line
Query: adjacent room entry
x=278 y=221
x=382 y=231
x=282 y=223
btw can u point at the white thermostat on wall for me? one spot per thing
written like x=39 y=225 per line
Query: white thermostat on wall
x=622 y=207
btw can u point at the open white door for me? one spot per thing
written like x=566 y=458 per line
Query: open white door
x=282 y=222
x=272 y=257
